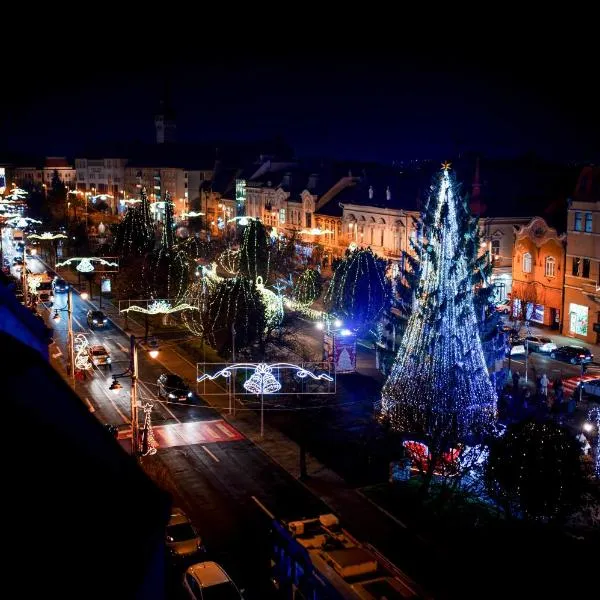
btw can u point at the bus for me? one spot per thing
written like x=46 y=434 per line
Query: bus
x=316 y=559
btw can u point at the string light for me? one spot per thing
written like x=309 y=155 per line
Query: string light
x=255 y=252
x=82 y=359
x=594 y=421
x=308 y=287
x=229 y=261
x=47 y=236
x=273 y=305
x=85 y=264
x=135 y=233
x=159 y=307
x=22 y=222
x=439 y=384
x=359 y=290
x=315 y=231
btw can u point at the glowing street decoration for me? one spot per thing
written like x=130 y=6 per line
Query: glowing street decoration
x=243 y=221
x=16 y=195
x=148 y=439
x=192 y=214
x=22 y=222
x=33 y=282
x=82 y=359
x=315 y=231
x=262 y=381
x=159 y=307
x=230 y=261
x=47 y=236
x=85 y=264
x=273 y=304
x=210 y=272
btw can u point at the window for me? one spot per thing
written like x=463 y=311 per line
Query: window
x=576 y=263
x=588 y=222
x=550 y=267
x=282 y=215
x=308 y=220
x=578 y=319
x=495 y=248
x=585 y=270
x=527 y=263
x=577 y=226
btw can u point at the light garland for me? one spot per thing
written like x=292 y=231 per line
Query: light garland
x=243 y=221
x=47 y=236
x=22 y=222
x=255 y=252
x=308 y=287
x=85 y=264
x=273 y=305
x=439 y=384
x=33 y=282
x=151 y=443
x=262 y=380
x=192 y=214
x=159 y=307
x=15 y=195
x=359 y=291
x=229 y=261
x=135 y=233
x=593 y=417
x=315 y=231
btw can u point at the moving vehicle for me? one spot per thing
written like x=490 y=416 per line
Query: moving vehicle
x=592 y=389
x=60 y=285
x=208 y=581
x=44 y=290
x=96 y=318
x=539 y=343
x=575 y=355
x=99 y=355
x=504 y=307
x=181 y=537
x=517 y=349
x=173 y=387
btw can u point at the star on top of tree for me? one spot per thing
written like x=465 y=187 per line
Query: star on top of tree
x=446 y=165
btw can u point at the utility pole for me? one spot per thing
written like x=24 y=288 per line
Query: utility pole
x=134 y=397
x=70 y=341
x=24 y=273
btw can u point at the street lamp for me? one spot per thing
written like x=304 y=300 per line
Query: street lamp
x=115 y=386
x=70 y=344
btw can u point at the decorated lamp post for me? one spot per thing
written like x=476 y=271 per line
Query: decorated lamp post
x=87 y=266
x=70 y=341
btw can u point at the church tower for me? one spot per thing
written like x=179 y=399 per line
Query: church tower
x=164 y=120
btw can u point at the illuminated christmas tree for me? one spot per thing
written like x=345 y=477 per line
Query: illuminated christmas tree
x=308 y=287
x=439 y=388
x=255 y=252
x=359 y=291
x=135 y=233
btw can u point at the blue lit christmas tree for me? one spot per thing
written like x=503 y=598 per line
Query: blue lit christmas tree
x=439 y=389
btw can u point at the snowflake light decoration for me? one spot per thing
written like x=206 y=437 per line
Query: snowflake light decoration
x=84 y=264
x=82 y=359
x=48 y=236
x=22 y=222
x=192 y=214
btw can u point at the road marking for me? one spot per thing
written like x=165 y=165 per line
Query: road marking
x=111 y=400
x=153 y=395
x=122 y=348
x=263 y=508
x=224 y=430
x=90 y=406
x=211 y=454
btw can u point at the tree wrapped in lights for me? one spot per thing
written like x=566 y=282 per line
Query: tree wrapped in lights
x=167 y=268
x=359 y=291
x=308 y=287
x=135 y=233
x=439 y=389
x=255 y=251
x=534 y=470
x=235 y=307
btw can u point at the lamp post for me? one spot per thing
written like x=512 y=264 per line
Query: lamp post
x=132 y=373
x=70 y=344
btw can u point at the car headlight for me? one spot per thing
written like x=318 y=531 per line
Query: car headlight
x=108 y=360
x=190 y=394
x=104 y=320
x=172 y=395
x=95 y=321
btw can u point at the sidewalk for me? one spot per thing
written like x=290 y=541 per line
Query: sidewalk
x=564 y=340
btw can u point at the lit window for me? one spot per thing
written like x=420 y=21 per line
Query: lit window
x=550 y=267
x=282 y=215
x=588 y=222
x=527 y=263
x=578 y=226
x=495 y=248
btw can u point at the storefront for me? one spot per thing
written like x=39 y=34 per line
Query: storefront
x=578 y=319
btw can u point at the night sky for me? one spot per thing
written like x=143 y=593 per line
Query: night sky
x=382 y=105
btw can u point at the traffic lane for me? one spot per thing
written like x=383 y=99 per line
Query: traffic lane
x=218 y=492
x=539 y=363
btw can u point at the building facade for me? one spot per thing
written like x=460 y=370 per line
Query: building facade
x=102 y=176
x=538 y=274
x=582 y=276
x=27 y=176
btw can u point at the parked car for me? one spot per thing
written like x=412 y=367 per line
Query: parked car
x=173 y=387
x=99 y=355
x=517 y=349
x=59 y=285
x=572 y=354
x=592 y=388
x=504 y=307
x=539 y=343
x=96 y=318
x=181 y=537
x=207 y=580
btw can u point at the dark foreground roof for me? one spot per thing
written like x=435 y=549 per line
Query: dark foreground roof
x=81 y=519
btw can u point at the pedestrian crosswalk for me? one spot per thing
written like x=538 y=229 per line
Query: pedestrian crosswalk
x=571 y=383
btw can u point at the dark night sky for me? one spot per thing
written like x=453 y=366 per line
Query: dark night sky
x=376 y=105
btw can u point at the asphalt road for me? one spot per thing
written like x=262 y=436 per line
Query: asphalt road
x=217 y=483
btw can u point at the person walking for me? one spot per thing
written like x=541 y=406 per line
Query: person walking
x=544 y=381
x=516 y=378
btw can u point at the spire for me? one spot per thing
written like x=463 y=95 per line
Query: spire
x=164 y=121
